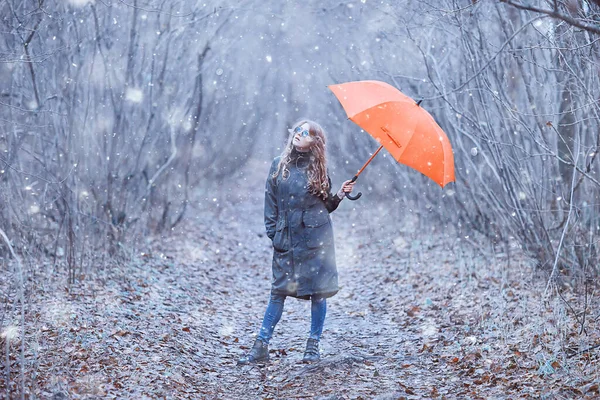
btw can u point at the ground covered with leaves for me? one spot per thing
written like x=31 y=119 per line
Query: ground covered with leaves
x=424 y=312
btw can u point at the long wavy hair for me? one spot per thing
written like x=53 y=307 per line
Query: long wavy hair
x=318 y=183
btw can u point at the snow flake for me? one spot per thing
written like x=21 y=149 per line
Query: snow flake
x=10 y=332
x=429 y=328
x=134 y=95
x=80 y=3
x=226 y=330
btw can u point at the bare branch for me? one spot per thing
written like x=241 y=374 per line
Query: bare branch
x=555 y=14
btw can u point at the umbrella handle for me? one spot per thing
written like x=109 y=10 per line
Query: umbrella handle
x=359 y=193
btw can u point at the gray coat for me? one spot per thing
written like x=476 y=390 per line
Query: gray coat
x=299 y=225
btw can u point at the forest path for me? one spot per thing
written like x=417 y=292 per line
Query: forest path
x=421 y=314
x=412 y=318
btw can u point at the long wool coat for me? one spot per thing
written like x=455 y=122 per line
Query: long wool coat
x=299 y=225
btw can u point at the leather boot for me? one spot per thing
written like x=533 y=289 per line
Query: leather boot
x=311 y=354
x=259 y=353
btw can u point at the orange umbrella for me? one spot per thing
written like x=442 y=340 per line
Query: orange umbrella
x=399 y=124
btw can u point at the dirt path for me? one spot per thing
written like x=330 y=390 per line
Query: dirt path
x=419 y=316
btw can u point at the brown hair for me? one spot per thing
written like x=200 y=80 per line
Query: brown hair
x=318 y=183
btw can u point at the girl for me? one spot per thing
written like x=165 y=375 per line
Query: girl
x=298 y=200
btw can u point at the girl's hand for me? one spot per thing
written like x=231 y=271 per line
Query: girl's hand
x=347 y=187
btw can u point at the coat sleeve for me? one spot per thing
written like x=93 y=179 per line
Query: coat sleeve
x=333 y=201
x=271 y=211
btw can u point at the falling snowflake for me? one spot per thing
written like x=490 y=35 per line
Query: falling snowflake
x=226 y=330
x=10 y=332
x=134 y=95
x=79 y=3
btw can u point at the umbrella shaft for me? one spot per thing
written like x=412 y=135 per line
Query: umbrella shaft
x=367 y=163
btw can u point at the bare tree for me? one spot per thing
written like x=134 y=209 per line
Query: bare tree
x=519 y=110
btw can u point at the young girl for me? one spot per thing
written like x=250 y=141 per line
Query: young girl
x=298 y=200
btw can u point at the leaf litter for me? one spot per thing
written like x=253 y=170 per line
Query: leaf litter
x=418 y=315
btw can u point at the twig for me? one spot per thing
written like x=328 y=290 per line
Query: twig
x=562 y=236
x=584 y=351
x=22 y=300
x=573 y=311
x=161 y=12
x=555 y=14
x=487 y=64
x=37 y=176
x=167 y=163
x=585 y=304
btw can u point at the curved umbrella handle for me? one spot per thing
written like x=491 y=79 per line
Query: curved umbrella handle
x=359 y=193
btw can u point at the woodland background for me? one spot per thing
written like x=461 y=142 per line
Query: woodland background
x=125 y=124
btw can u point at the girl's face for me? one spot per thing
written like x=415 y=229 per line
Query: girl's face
x=303 y=140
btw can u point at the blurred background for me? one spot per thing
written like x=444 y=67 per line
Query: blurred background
x=119 y=116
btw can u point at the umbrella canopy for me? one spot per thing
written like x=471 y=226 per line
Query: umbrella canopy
x=400 y=125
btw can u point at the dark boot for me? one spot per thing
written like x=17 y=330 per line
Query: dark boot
x=311 y=354
x=259 y=353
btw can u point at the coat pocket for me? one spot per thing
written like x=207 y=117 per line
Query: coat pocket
x=317 y=231
x=315 y=218
x=281 y=239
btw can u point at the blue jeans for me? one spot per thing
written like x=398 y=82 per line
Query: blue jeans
x=318 y=309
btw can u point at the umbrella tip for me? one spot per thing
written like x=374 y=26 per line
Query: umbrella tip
x=419 y=102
